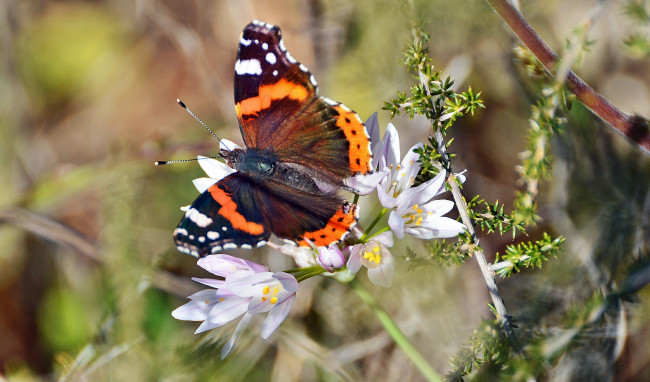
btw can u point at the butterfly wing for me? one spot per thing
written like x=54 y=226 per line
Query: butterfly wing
x=227 y=215
x=277 y=106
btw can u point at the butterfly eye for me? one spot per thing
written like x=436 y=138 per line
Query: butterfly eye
x=265 y=167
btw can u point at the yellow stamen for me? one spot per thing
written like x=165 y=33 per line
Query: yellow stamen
x=274 y=300
x=266 y=290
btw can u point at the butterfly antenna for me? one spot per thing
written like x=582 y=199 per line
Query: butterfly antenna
x=164 y=162
x=187 y=109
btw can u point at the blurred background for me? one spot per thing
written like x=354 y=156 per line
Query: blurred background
x=88 y=271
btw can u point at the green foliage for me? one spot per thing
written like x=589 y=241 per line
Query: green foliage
x=638 y=43
x=488 y=348
x=491 y=217
x=433 y=98
x=528 y=254
x=442 y=252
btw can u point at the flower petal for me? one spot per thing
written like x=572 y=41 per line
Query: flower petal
x=251 y=285
x=440 y=227
x=423 y=192
x=214 y=283
x=205 y=326
x=382 y=275
x=330 y=258
x=195 y=310
x=396 y=224
x=438 y=207
x=386 y=200
x=276 y=316
x=390 y=145
x=372 y=127
x=227 y=310
x=385 y=239
x=243 y=324
x=288 y=281
x=202 y=184
x=354 y=261
x=225 y=265
x=363 y=184
x=228 y=145
x=214 y=169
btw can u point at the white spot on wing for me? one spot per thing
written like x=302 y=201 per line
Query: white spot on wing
x=290 y=58
x=212 y=235
x=282 y=47
x=261 y=243
x=198 y=218
x=251 y=67
x=303 y=68
x=275 y=72
x=312 y=79
x=244 y=42
x=270 y=58
x=329 y=101
x=224 y=229
x=201 y=239
x=229 y=246
x=180 y=231
x=265 y=46
x=246 y=246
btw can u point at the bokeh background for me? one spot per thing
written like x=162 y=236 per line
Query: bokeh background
x=88 y=270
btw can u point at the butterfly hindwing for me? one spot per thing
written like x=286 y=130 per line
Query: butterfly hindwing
x=225 y=216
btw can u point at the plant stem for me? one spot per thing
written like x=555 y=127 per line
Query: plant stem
x=461 y=206
x=634 y=127
x=372 y=225
x=378 y=233
x=395 y=332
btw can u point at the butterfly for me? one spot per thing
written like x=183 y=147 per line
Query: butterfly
x=299 y=149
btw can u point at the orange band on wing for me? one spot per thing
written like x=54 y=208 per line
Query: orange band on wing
x=355 y=132
x=335 y=229
x=269 y=93
x=229 y=211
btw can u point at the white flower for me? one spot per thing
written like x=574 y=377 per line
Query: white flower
x=248 y=289
x=375 y=256
x=216 y=170
x=331 y=258
x=400 y=175
x=418 y=215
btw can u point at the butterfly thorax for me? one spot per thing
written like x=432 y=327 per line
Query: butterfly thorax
x=257 y=164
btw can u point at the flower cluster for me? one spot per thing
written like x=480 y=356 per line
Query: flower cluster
x=248 y=289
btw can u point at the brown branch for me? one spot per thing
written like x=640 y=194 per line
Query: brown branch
x=635 y=127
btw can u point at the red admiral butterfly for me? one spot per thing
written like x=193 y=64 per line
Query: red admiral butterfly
x=299 y=149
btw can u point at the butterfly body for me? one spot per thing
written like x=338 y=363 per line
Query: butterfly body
x=299 y=149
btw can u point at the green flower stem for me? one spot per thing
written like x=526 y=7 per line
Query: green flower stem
x=312 y=273
x=373 y=224
x=395 y=332
x=304 y=273
x=378 y=232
